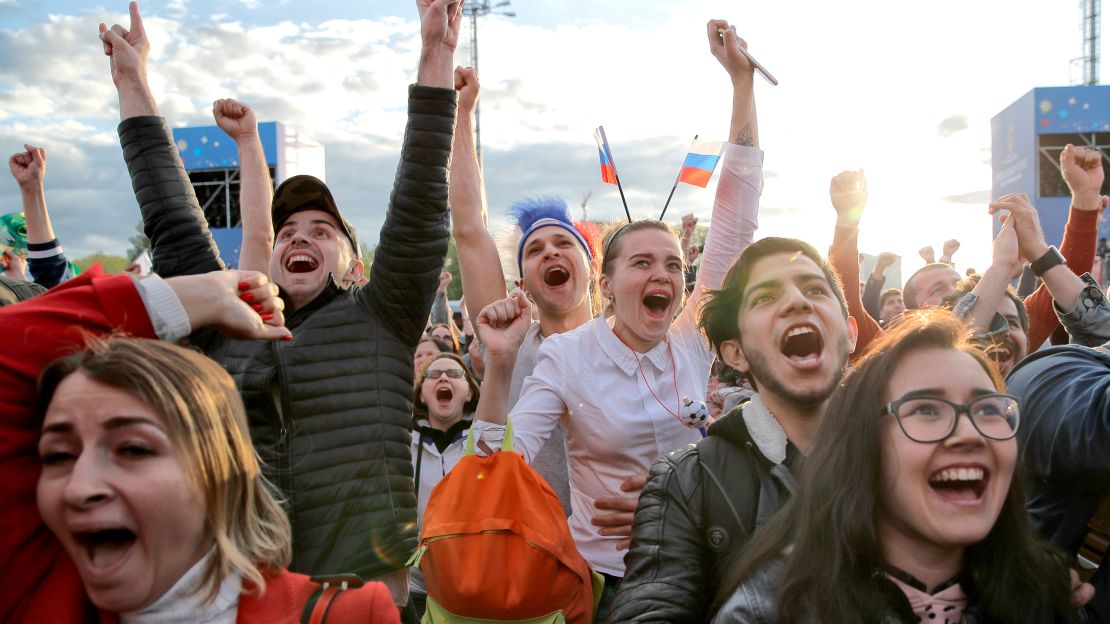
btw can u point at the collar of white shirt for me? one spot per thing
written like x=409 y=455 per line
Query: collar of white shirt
x=623 y=356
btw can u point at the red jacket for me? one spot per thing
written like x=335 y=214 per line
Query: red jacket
x=39 y=581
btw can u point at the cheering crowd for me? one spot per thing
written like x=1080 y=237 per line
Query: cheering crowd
x=646 y=428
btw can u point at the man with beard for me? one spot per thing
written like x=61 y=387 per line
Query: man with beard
x=781 y=320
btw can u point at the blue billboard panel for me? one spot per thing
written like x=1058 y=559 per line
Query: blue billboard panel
x=1072 y=109
x=208 y=147
x=230 y=242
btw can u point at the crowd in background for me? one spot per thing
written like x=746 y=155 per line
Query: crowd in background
x=641 y=424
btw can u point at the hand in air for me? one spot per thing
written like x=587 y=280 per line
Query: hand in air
x=466 y=83
x=127 y=47
x=502 y=325
x=235 y=118
x=1083 y=173
x=725 y=47
x=848 y=192
x=28 y=167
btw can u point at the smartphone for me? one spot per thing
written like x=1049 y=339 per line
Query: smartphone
x=759 y=68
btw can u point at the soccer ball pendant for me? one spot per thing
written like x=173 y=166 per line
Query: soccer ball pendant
x=694 y=413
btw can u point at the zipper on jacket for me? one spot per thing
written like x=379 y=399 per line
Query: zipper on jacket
x=283 y=447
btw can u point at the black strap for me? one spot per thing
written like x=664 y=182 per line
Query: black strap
x=419 y=461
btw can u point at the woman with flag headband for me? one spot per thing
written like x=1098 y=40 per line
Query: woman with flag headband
x=625 y=389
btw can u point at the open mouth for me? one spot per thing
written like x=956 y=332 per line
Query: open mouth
x=301 y=263
x=444 y=394
x=556 y=276
x=960 y=484
x=657 y=303
x=107 y=547
x=802 y=344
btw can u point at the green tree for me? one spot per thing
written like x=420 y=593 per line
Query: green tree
x=139 y=242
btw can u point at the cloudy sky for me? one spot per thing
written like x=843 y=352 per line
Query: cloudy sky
x=904 y=91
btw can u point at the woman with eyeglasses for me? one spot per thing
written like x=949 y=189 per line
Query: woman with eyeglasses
x=443 y=403
x=911 y=507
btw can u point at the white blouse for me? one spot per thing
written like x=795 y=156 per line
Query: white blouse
x=590 y=381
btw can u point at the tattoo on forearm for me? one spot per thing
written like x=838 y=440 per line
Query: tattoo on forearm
x=745 y=136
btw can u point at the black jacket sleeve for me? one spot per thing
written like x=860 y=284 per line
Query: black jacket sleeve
x=413 y=240
x=666 y=569
x=172 y=219
x=871 y=294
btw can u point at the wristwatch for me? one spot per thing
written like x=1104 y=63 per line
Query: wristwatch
x=1051 y=258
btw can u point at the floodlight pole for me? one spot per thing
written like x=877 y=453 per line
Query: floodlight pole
x=475 y=9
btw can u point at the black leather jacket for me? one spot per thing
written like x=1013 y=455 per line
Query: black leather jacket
x=330 y=412
x=696 y=512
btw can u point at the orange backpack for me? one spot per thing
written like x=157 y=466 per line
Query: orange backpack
x=495 y=546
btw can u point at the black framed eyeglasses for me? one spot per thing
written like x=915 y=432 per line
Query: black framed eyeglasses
x=453 y=373
x=930 y=419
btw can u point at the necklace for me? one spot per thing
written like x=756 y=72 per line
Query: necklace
x=695 y=414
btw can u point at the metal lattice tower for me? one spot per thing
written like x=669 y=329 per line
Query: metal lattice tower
x=1092 y=30
x=475 y=9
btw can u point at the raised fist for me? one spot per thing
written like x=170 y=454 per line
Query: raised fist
x=466 y=83
x=950 y=247
x=29 y=167
x=1082 y=170
x=689 y=222
x=848 y=191
x=235 y=118
x=503 y=324
x=927 y=254
x=886 y=259
x=445 y=278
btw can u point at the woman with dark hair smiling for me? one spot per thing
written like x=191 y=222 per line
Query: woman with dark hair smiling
x=911 y=505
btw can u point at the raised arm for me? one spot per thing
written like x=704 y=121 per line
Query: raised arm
x=991 y=289
x=1083 y=172
x=172 y=219
x=413 y=239
x=736 y=205
x=848 y=191
x=256 y=190
x=872 y=292
x=479 y=263
x=46 y=261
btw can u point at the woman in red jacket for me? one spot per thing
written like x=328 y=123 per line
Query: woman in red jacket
x=146 y=477
x=150 y=483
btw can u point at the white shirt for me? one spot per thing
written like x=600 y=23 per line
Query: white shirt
x=590 y=381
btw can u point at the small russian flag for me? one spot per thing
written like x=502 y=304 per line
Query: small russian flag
x=608 y=167
x=700 y=163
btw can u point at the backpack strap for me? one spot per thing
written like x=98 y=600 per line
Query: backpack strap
x=1093 y=552
x=506 y=443
x=319 y=603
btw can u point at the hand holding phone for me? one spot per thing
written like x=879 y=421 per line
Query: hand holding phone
x=751 y=59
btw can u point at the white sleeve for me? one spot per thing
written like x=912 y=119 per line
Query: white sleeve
x=537 y=411
x=731 y=227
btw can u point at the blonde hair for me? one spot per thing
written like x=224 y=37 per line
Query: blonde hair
x=207 y=425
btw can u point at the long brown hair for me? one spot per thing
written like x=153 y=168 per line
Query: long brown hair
x=207 y=425
x=830 y=523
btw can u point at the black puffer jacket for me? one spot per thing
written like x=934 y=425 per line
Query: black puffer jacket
x=695 y=513
x=330 y=412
